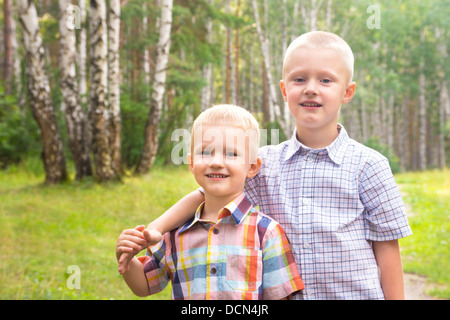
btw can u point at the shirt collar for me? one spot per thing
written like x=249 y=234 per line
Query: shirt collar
x=238 y=209
x=335 y=150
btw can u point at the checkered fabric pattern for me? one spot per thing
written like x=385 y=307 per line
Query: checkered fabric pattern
x=245 y=256
x=332 y=203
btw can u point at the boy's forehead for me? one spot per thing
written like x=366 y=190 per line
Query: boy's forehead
x=335 y=53
x=219 y=133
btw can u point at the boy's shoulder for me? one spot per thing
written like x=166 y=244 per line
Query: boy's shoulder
x=358 y=149
x=365 y=156
x=265 y=222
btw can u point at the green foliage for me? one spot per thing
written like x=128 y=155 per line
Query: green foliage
x=427 y=252
x=394 y=162
x=19 y=135
x=134 y=117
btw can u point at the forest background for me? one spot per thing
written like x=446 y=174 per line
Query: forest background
x=219 y=51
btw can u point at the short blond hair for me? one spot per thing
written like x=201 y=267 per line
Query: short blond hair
x=231 y=116
x=323 y=39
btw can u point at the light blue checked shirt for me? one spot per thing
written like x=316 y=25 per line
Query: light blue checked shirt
x=332 y=203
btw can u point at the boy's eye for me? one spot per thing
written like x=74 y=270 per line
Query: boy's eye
x=205 y=153
x=299 y=80
x=326 y=81
x=231 y=154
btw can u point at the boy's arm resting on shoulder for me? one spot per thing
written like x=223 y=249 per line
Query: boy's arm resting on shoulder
x=387 y=254
x=178 y=214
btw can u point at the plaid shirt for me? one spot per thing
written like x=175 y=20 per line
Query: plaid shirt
x=332 y=203
x=246 y=255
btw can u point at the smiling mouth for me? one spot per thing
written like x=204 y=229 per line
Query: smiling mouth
x=310 y=104
x=217 y=176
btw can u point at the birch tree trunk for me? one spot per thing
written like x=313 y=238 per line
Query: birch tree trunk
x=114 y=85
x=230 y=79
x=273 y=103
x=17 y=67
x=8 y=43
x=207 y=69
x=39 y=94
x=422 y=110
x=444 y=109
x=82 y=53
x=98 y=92
x=75 y=117
x=310 y=16
x=150 y=147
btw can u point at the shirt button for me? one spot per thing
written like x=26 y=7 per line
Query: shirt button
x=216 y=231
x=305 y=201
x=213 y=270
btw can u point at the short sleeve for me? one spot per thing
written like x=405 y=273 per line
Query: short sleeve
x=385 y=213
x=280 y=274
x=155 y=267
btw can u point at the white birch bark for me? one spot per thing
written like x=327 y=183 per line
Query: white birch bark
x=98 y=91
x=75 y=117
x=39 y=94
x=114 y=84
x=8 y=58
x=150 y=147
x=82 y=52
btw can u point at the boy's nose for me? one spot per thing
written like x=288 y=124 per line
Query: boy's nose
x=216 y=160
x=311 y=88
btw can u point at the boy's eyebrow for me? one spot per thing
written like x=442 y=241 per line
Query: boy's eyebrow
x=296 y=71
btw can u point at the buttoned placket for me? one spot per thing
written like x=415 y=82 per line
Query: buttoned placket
x=306 y=219
x=212 y=263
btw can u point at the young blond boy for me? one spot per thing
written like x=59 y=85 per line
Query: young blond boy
x=228 y=250
x=336 y=199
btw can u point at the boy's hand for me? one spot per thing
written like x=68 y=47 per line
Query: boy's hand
x=129 y=244
x=152 y=236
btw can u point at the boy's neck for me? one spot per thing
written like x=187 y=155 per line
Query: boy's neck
x=317 y=139
x=213 y=204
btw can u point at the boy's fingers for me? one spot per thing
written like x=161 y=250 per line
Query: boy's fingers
x=152 y=237
x=124 y=262
x=140 y=228
x=132 y=241
x=135 y=244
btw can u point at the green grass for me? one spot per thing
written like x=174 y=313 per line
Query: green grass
x=426 y=252
x=44 y=230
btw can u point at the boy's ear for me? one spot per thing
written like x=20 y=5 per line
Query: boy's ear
x=254 y=168
x=189 y=161
x=283 y=89
x=349 y=92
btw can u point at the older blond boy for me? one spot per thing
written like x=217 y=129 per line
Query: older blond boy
x=228 y=250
